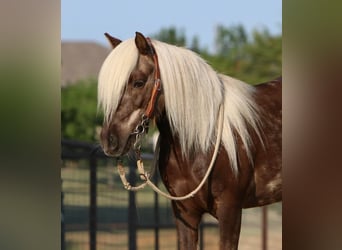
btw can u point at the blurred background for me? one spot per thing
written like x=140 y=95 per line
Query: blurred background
x=242 y=39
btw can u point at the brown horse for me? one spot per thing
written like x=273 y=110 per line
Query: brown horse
x=143 y=79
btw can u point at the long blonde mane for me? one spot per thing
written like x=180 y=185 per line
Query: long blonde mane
x=193 y=92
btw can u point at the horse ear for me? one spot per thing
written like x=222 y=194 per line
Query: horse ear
x=113 y=41
x=142 y=44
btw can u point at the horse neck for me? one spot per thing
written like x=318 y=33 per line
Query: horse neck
x=169 y=149
x=164 y=127
x=169 y=143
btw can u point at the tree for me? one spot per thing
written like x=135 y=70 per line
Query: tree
x=79 y=116
x=264 y=55
x=195 y=45
x=172 y=36
x=230 y=41
x=253 y=59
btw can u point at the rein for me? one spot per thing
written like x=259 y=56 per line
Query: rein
x=142 y=128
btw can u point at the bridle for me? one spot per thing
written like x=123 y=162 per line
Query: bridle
x=142 y=127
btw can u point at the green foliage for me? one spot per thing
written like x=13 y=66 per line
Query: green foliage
x=252 y=59
x=171 y=35
x=263 y=58
x=79 y=111
x=230 y=41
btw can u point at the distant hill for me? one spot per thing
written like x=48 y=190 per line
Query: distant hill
x=81 y=60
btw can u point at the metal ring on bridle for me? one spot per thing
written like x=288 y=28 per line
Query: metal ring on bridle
x=142 y=127
x=140 y=130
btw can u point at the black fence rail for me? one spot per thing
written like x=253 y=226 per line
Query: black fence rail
x=73 y=150
x=95 y=204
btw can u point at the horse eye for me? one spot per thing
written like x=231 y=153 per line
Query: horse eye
x=138 y=84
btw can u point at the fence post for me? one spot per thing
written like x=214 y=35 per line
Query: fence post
x=156 y=213
x=92 y=209
x=132 y=212
x=62 y=222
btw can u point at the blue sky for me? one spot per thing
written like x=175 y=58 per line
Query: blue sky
x=88 y=19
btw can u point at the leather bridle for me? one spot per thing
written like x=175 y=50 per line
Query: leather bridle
x=142 y=127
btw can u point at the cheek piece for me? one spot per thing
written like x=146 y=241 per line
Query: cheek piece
x=142 y=127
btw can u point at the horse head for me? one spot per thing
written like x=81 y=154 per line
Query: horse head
x=127 y=93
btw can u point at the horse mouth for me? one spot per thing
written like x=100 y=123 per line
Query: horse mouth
x=120 y=150
x=129 y=145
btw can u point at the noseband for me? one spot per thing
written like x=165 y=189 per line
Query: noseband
x=142 y=127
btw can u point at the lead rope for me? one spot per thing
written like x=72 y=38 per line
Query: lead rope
x=146 y=176
x=126 y=184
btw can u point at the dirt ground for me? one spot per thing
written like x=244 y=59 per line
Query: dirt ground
x=250 y=237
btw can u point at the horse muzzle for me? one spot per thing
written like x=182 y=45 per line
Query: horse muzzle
x=113 y=146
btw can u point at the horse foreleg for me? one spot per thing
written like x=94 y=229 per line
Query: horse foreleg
x=187 y=235
x=187 y=227
x=229 y=219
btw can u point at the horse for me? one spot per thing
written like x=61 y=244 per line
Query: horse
x=143 y=79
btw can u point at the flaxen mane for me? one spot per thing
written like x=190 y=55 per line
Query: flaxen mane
x=193 y=93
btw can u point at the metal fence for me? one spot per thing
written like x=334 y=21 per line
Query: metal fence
x=97 y=213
